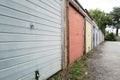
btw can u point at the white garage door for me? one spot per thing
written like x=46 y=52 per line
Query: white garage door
x=30 y=38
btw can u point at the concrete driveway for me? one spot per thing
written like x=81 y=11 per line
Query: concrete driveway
x=105 y=62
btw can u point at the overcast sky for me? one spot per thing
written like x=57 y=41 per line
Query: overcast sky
x=104 y=5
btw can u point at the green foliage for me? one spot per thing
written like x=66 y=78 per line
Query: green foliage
x=116 y=18
x=116 y=12
x=101 y=18
x=76 y=71
x=110 y=37
x=56 y=77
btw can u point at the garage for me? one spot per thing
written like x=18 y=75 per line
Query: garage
x=76 y=32
x=30 y=39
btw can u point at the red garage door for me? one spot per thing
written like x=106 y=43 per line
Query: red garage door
x=76 y=34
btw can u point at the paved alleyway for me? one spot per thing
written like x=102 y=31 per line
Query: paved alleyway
x=105 y=63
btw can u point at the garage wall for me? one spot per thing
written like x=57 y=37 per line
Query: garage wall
x=30 y=38
x=76 y=35
x=93 y=37
x=88 y=36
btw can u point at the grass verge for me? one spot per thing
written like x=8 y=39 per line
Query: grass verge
x=76 y=71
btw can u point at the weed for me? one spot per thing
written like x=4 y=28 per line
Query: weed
x=76 y=71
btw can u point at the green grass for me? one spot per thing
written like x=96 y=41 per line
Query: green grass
x=76 y=71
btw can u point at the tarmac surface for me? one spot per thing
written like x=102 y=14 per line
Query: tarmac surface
x=105 y=62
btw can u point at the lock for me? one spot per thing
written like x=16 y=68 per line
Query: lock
x=31 y=26
x=37 y=75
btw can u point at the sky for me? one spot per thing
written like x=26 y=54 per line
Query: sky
x=104 y=5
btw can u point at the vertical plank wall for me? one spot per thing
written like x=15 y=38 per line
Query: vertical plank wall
x=88 y=36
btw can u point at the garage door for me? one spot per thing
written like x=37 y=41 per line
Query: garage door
x=30 y=39
x=76 y=34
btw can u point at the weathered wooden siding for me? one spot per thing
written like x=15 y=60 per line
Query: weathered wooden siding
x=25 y=49
x=88 y=36
x=76 y=35
x=65 y=61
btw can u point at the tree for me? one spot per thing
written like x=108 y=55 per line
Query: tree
x=116 y=18
x=101 y=18
x=110 y=37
